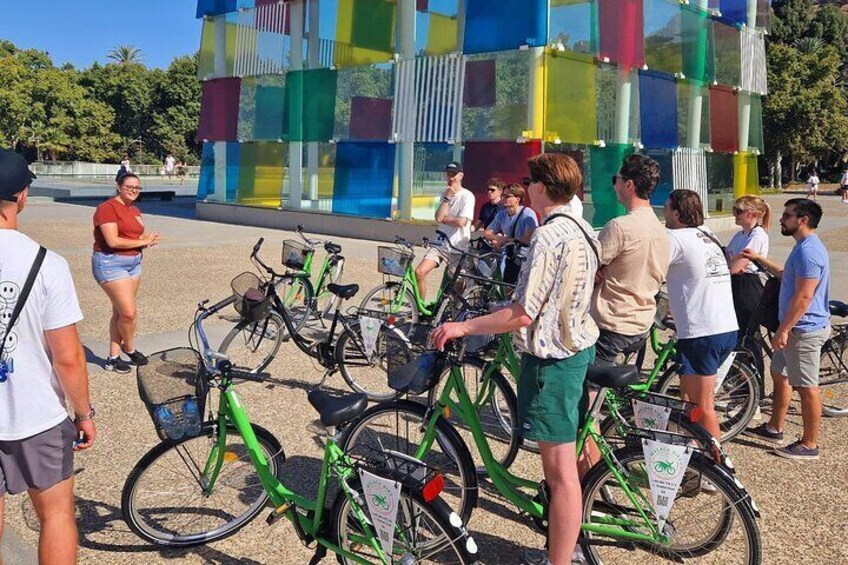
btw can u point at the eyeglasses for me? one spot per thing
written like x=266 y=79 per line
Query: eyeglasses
x=616 y=177
x=789 y=215
x=132 y=188
x=493 y=189
x=510 y=195
x=737 y=211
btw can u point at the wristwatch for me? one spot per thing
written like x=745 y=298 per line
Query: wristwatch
x=90 y=416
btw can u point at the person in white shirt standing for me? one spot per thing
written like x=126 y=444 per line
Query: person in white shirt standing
x=843 y=186
x=813 y=185
x=170 y=162
x=42 y=366
x=455 y=215
x=753 y=215
x=699 y=293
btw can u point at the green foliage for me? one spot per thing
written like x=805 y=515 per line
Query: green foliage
x=125 y=54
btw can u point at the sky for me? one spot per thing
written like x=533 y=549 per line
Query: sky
x=81 y=32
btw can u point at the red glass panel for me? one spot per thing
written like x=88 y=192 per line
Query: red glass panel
x=724 y=119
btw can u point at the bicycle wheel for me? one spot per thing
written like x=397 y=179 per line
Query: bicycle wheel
x=399 y=426
x=497 y=411
x=324 y=299
x=703 y=526
x=833 y=377
x=425 y=532
x=164 y=503
x=389 y=298
x=736 y=401
x=297 y=296
x=251 y=346
x=364 y=373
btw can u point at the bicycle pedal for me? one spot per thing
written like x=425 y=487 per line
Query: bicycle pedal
x=278 y=513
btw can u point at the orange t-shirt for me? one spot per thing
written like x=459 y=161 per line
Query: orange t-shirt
x=130 y=225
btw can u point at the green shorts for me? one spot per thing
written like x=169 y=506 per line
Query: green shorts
x=552 y=401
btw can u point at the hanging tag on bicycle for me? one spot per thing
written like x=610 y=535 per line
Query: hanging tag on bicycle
x=382 y=497
x=650 y=416
x=666 y=465
x=370 y=329
x=723 y=369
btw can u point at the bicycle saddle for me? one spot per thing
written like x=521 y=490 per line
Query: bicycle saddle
x=838 y=308
x=616 y=376
x=333 y=248
x=337 y=410
x=344 y=291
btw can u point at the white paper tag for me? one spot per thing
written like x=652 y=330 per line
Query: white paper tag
x=666 y=464
x=382 y=497
x=370 y=329
x=723 y=369
x=650 y=416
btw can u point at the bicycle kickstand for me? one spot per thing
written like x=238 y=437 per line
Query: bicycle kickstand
x=320 y=554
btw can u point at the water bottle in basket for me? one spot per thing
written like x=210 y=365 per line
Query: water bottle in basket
x=191 y=417
x=391 y=266
x=168 y=422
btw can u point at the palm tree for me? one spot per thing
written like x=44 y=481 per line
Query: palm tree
x=809 y=45
x=124 y=54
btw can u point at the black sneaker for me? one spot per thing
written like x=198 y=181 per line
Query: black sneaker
x=797 y=450
x=764 y=433
x=117 y=365
x=137 y=358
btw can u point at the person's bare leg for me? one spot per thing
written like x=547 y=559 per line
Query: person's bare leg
x=780 y=401
x=559 y=463
x=811 y=411
x=57 y=542
x=1 y=523
x=122 y=294
x=114 y=334
x=699 y=389
x=423 y=269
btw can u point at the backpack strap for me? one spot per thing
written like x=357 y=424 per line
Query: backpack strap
x=716 y=241
x=586 y=235
x=19 y=306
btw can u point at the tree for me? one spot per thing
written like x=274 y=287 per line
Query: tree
x=125 y=54
x=177 y=111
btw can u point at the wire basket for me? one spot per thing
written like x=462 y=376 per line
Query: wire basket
x=662 y=310
x=173 y=388
x=392 y=261
x=250 y=301
x=295 y=254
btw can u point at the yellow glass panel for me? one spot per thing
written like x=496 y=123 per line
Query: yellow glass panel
x=746 y=176
x=570 y=113
x=442 y=36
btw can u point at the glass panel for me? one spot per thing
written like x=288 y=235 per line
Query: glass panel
x=755 y=133
x=746 y=177
x=428 y=177
x=206 y=184
x=720 y=182
x=366 y=29
x=363 y=106
x=570 y=98
x=574 y=24
x=663 y=36
x=322 y=199
x=206 y=57
x=437 y=28
x=215 y=7
x=312 y=117
x=698 y=53
x=505 y=160
x=580 y=156
x=261 y=174
x=658 y=109
x=764 y=14
x=622 y=26
x=261 y=107
x=728 y=55
x=666 y=182
x=735 y=10
x=364 y=178
x=724 y=119
x=604 y=162
x=506 y=24
x=496 y=98
x=219 y=108
x=609 y=84
x=693 y=99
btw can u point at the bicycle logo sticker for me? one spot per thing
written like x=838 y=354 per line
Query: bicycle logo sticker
x=665 y=465
x=381 y=496
x=650 y=416
x=664 y=460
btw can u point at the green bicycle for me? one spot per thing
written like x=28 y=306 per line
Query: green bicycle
x=207 y=485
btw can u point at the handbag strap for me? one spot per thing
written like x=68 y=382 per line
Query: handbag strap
x=714 y=240
x=586 y=235
x=19 y=306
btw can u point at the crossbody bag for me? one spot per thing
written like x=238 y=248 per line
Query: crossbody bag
x=19 y=306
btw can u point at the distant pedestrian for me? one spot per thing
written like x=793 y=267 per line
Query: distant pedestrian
x=119 y=239
x=813 y=185
x=169 y=165
x=182 y=170
x=125 y=163
x=42 y=370
x=843 y=186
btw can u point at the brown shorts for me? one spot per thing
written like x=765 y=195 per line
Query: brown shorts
x=38 y=462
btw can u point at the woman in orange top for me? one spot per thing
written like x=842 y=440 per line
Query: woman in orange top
x=116 y=263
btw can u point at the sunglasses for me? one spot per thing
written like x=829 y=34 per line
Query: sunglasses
x=616 y=177
x=527 y=180
x=492 y=189
x=737 y=211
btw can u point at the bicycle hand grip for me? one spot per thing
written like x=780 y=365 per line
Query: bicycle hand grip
x=248 y=376
x=258 y=245
x=441 y=234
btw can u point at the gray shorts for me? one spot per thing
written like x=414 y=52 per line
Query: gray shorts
x=439 y=256
x=38 y=462
x=801 y=358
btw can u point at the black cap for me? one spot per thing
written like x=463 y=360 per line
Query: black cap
x=453 y=167
x=14 y=175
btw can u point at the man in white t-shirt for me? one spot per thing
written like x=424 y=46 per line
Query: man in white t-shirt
x=699 y=295
x=455 y=216
x=843 y=186
x=42 y=367
x=169 y=165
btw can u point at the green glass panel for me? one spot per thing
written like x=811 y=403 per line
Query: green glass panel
x=609 y=86
x=728 y=54
x=720 y=182
x=364 y=32
x=570 y=114
x=604 y=162
x=755 y=134
x=506 y=118
x=206 y=58
x=247 y=173
x=663 y=36
x=312 y=117
x=698 y=54
x=693 y=98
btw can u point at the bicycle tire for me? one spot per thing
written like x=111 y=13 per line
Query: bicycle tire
x=325 y=300
x=381 y=297
x=369 y=376
x=833 y=377
x=719 y=544
x=735 y=403
x=242 y=343
x=384 y=425
x=143 y=521
x=298 y=298
x=448 y=544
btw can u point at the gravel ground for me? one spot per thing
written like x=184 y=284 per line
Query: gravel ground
x=803 y=505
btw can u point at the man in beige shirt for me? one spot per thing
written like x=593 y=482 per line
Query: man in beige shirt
x=634 y=259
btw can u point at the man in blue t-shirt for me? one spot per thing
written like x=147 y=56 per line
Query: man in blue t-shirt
x=804 y=317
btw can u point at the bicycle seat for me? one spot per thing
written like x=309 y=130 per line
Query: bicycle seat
x=838 y=308
x=616 y=376
x=333 y=248
x=344 y=291
x=337 y=410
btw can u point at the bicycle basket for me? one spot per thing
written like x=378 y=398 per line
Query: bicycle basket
x=295 y=254
x=662 y=310
x=412 y=368
x=392 y=261
x=173 y=388
x=250 y=302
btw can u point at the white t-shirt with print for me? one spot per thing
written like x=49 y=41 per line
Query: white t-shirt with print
x=699 y=289
x=756 y=240
x=31 y=398
x=461 y=205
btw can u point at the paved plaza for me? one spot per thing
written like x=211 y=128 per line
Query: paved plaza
x=803 y=505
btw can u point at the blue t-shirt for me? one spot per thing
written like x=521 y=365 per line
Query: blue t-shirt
x=808 y=260
x=503 y=222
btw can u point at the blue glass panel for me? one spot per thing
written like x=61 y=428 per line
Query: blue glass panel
x=215 y=7
x=206 y=184
x=735 y=10
x=506 y=24
x=658 y=109
x=233 y=160
x=666 y=183
x=363 y=179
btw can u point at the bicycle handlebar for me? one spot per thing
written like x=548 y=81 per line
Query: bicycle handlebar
x=401 y=241
x=254 y=257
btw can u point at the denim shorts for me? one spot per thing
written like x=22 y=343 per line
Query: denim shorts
x=108 y=267
x=704 y=355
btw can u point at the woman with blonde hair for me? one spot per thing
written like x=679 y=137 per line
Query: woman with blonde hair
x=753 y=215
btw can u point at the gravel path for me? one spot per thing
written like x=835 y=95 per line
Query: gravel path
x=803 y=505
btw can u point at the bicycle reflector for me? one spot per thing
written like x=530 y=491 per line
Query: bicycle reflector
x=696 y=414
x=433 y=488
